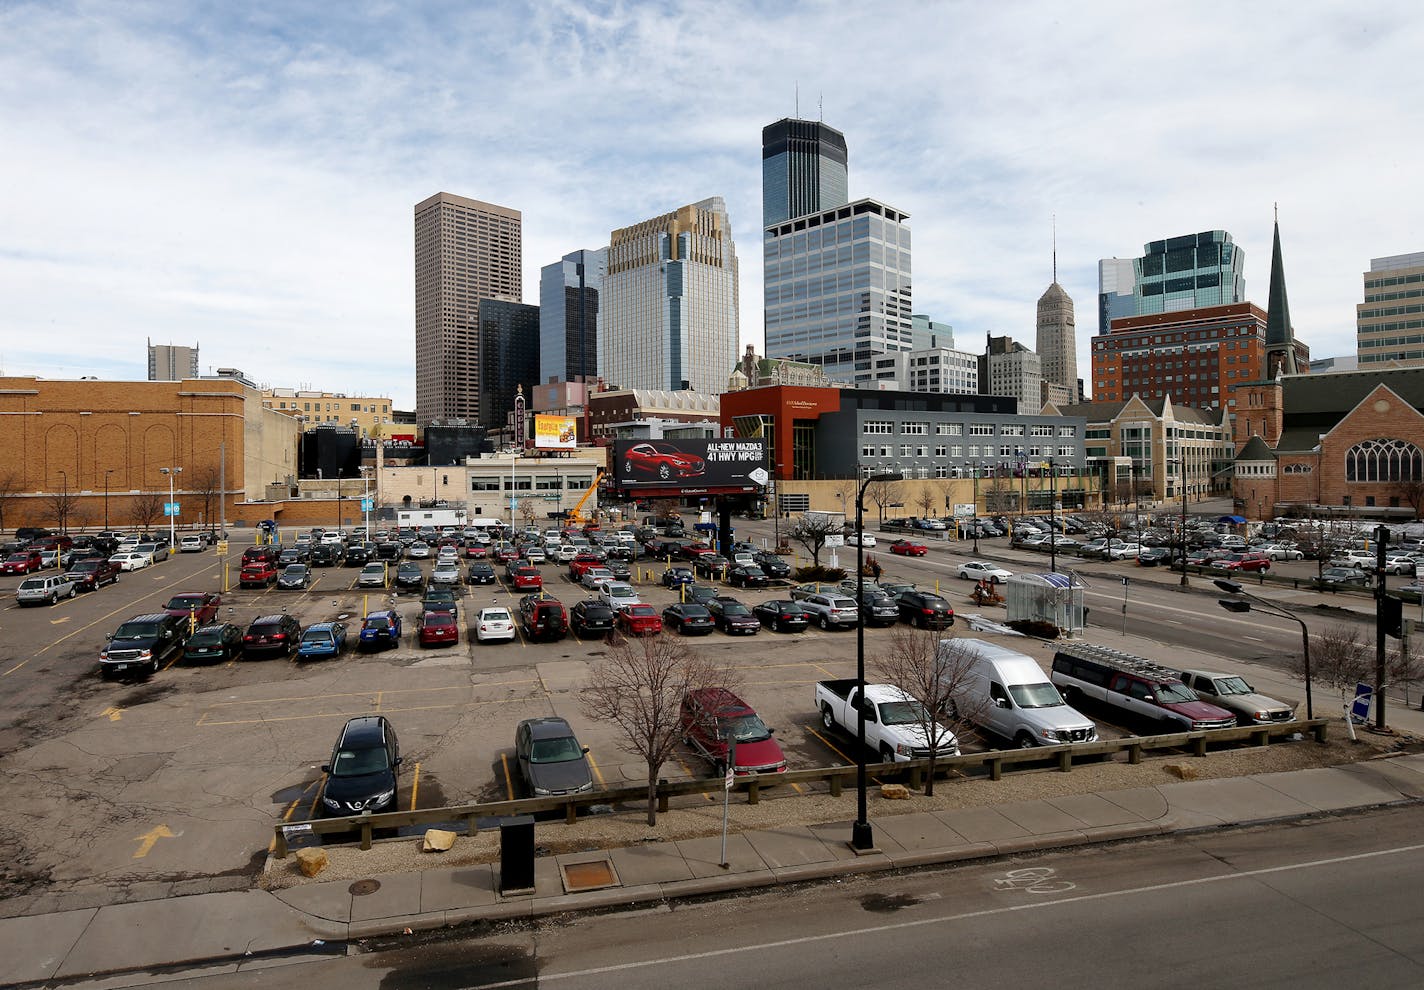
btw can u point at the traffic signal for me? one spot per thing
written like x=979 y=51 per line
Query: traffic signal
x=1391 y=616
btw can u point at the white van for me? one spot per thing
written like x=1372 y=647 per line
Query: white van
x=1008 y=694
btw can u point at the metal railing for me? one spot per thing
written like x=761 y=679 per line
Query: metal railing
x=994 y=762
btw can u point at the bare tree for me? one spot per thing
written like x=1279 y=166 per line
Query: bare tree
x=639 y=686
x=1338 y=659
x=665 y=508
x=883 y=493
x=933 y=671
x=146 y=509
x=999 y=495
x=926 y=501
x=59 y=507
x=528 y=511
x=9 y=493
x=1404 y=668
x=811 y=531
x=206 y=485
x=1413 y=494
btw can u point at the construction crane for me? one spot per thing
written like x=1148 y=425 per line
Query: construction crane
x=575 y=515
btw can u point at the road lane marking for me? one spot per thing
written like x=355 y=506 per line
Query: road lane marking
x=114 y=714
x=414 y=786
x=508 y=780
x=858 y=933
x=149 y=839
x=593 y=765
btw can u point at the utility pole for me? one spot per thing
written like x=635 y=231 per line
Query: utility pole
x=1182 y=480
x=1381 y=544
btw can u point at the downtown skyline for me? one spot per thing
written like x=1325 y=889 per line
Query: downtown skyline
x=243 y=180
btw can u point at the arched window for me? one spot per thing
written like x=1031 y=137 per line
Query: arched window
x=1384 y=460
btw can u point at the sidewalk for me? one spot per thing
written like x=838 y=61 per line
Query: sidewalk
x=229 y=931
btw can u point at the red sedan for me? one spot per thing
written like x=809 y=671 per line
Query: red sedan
x=527 y=579
x=22 y=563
x=475 y=551
x=639 y=620
x=437 y=628
x=908 y=548
x=662 y=460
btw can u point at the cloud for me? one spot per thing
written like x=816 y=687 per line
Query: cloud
x=244 y=178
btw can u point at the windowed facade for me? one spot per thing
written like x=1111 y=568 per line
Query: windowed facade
x=1383 y=460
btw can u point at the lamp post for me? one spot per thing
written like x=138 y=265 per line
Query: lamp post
x=172 y=473
x=861 y=838
x=1052 y=520
x=107 y=472
x=1182 y=480
x=63 y=502
x=1237 y=605
x=338 y=499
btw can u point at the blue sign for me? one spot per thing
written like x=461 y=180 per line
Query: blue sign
x=1360 y=708
x=170 y=508
x=367 y=504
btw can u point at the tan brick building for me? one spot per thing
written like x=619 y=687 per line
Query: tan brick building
x=87 y=438
x=371 y=415
x=1346 y=439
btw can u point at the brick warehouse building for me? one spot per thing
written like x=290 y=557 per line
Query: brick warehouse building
x=1345 y=439
x=82 y=438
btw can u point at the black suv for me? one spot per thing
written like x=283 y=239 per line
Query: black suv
x=731 y=616
x=277 y=634
x=591 y=617
x=363 y=774
x=926 y=610
x=772 y=565
x=143 y=643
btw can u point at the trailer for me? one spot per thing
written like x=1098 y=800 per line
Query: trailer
x=438 y=518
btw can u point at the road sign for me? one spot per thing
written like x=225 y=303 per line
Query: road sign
x=835 y=540
x=170 y=508
x=367 y=504
x=222 y=548
x=730 y=780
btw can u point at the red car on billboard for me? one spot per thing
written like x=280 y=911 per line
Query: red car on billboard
x=662 y=460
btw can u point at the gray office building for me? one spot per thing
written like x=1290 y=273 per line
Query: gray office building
x=171 y=362
x=569 y=317
x=803 y=169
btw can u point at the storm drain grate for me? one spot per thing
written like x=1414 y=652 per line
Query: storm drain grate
x=363 y=887
x=592 y=875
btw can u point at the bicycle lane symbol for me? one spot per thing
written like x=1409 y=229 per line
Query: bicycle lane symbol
x=1034 y=880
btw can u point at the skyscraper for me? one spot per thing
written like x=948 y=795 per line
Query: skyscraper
x=1116 y=280
x=837 y=288
x=465 y=251
x=803 y=169
x=669 y=302
x=1057 y=341
x=1189 y=272
x=569 y=317
x=171 y=363
x=509 y=357
x=1389 y=324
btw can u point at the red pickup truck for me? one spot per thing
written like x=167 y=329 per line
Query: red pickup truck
x=92 y=572
x=201 y=605
x=582 y=563
x=257 y=573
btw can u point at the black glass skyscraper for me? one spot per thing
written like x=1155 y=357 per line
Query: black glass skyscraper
x=803 y=169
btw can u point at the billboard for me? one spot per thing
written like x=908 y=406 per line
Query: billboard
x=555 y=432
x=690 y=466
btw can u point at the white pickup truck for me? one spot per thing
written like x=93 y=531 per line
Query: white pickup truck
x=894 y=721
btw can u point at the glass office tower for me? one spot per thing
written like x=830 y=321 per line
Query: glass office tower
x=1188 y=273
x=569 y=317
x=803 y=169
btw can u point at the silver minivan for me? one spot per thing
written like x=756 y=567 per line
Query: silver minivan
x=1008 y=694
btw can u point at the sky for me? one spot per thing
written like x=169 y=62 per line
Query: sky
x=243 y=176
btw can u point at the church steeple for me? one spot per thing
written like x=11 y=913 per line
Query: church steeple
x=1280 y=341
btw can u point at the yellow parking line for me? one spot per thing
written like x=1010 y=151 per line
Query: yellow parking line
x=835 y=749
x=414 y=786
x=688 y=770
x=593 y=765
x=508 y=780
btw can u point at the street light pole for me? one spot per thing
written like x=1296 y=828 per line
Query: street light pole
x=1235 y=588
x=172 y=516
x=107 y=472
x=1182 y=480
x=861 y=837
x=1052 y=520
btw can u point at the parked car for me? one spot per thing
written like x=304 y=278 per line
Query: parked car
x=326 y=555
x=638 y=619
x=1127 y=551
x=733 y=617
x=1152 y=556
x=774 y=566
x=526 y=578
x=619 y=594
x=294 y=577
x=22 y=562
x=364 y=771
x=1137 y=687
x=494 y=623
x=1279 y=551
x=676 y=576
x=437 y=628
x=192 y=543
x=591 y=617
x=1344 y=575
x=92 y=573
x=830 y=609
x=198 y=607
x=782 y=615
x=1231 y=692
x=271 y=634
x=877 y=608
x=446 y=573
x=688 y=618
x=480 y=572
x=380 y=630
x=409 y=576
x=257 y=574
x=1246 y=561
x=157 y=551
x=143 y=643
x=440 y=598
x=418 y=550
x=747 y=576
x=925 y=609
x=1006 y=693
x=713 y=718
x=373 y=575
x=543 y=617
x=908 y=548
x=982 y=570
x=38 y=590
x=551 y=761
x=322 y=639
x=215 y=643
x=895 y=722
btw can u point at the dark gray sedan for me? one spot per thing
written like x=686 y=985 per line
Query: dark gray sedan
x=550 y=759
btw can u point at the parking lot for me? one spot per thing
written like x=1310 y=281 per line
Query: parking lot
x=182 y=774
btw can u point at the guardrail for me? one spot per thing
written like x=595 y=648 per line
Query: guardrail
x=995 y=762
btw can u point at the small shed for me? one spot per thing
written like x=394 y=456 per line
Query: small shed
x=1055 y=598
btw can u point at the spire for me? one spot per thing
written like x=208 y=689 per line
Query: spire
x=1055 y=248
x=1280 y=342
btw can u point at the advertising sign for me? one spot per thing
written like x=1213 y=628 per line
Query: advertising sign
x=555 y=432
x=691 y=466
x=964 y=508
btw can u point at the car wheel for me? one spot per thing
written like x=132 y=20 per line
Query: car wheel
x=1024 y=741
x=71 y=592
x=825 y=623
x=887 y=755
x=663 y=472
x=827 y=719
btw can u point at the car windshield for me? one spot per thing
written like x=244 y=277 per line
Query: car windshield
x=904 y=713
x=743 y=728
x=735 y=608
x=1232 y=685
x=33 y=583
x=617 y=591
x=495 y=615
x=294 y=570
x=559 y=750
x=357 y=762
x=641 y=610
x=1043 y=695
x=694 y=612
x=137 y=630
x=17 y=557
x=204 y=637
x=1173 y=693
x=184 y=601
x=85 y=565
x=316 y=636
x=439 y=619
x=379 y=625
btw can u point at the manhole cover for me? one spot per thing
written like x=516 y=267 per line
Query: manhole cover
x=588 y=876
x=363 y=887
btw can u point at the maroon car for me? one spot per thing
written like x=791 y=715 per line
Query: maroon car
x=908 y=548
x=437 y=628
x=1251 y=561
x=712 y=718
x=662 y=460
x=201 y=605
